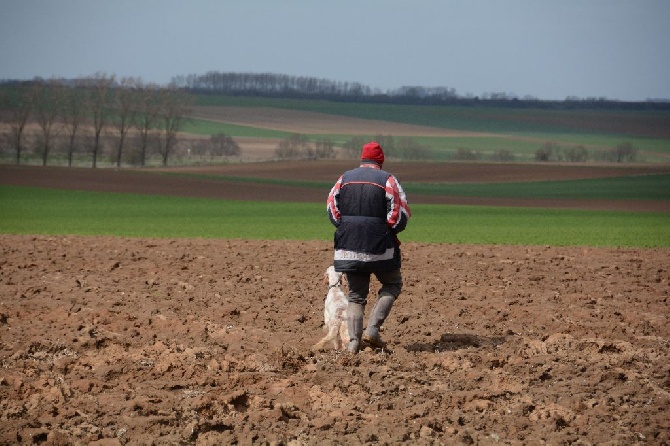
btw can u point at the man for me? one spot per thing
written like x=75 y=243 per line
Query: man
x=368 y=207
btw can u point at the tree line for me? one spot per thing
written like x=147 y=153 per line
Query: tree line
x=298 y=147
x=624 y=152
x=89 y=108
x=286 y=86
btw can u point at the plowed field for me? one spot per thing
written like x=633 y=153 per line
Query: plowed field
x=109 y=340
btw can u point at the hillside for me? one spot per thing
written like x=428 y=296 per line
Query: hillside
x=449 y=132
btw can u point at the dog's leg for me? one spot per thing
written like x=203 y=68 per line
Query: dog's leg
x=319 y=345
x=331 y=336
x=339 y=340
x=343 y=334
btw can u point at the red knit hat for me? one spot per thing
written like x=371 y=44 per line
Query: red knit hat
x=372 y=151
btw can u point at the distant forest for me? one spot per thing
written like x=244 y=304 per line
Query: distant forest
x=300 y=87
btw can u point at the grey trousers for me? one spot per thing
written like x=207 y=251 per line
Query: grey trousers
x=359 y=285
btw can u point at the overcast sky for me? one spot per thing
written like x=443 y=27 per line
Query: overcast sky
x=549 y=49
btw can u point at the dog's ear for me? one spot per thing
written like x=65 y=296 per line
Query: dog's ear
x=325 y=278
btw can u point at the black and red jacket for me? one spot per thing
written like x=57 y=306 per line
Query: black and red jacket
x=368 y=207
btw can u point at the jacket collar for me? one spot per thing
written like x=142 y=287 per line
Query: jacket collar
x=371 y=165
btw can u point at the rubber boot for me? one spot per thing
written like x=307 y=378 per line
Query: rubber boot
x=379 y=314
x=355 y=325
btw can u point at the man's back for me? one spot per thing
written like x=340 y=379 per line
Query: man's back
x=362 y=193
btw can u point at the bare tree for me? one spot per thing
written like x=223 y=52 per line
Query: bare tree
x=411 y=149
x=325 y=148
x=99 y=108
x=502 y=155
x=548 y=152
x=576 y=154
x=73 y=113
x=47 y=102
x=174 y=110
x=146 y=115
x=624 y=152
x=389 y=145
x=124 y=98
x=18 y=102
x=295 y=146
x=223 y=145
x=354 y=146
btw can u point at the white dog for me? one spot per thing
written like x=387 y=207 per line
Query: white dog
x=334 y=312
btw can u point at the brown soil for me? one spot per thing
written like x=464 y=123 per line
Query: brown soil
x=143 y=341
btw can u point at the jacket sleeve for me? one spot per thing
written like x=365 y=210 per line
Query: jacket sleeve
x=332 y=205
x=398 y=212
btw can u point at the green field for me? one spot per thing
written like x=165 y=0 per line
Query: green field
x=28 y=210
x=205 y=127
x=643 y=187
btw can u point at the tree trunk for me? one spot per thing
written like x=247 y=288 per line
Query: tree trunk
x=18 y=151
x=119 y=152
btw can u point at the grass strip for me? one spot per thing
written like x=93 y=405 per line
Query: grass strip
x=30 y=210
x=206 y=127
x=641 y=187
